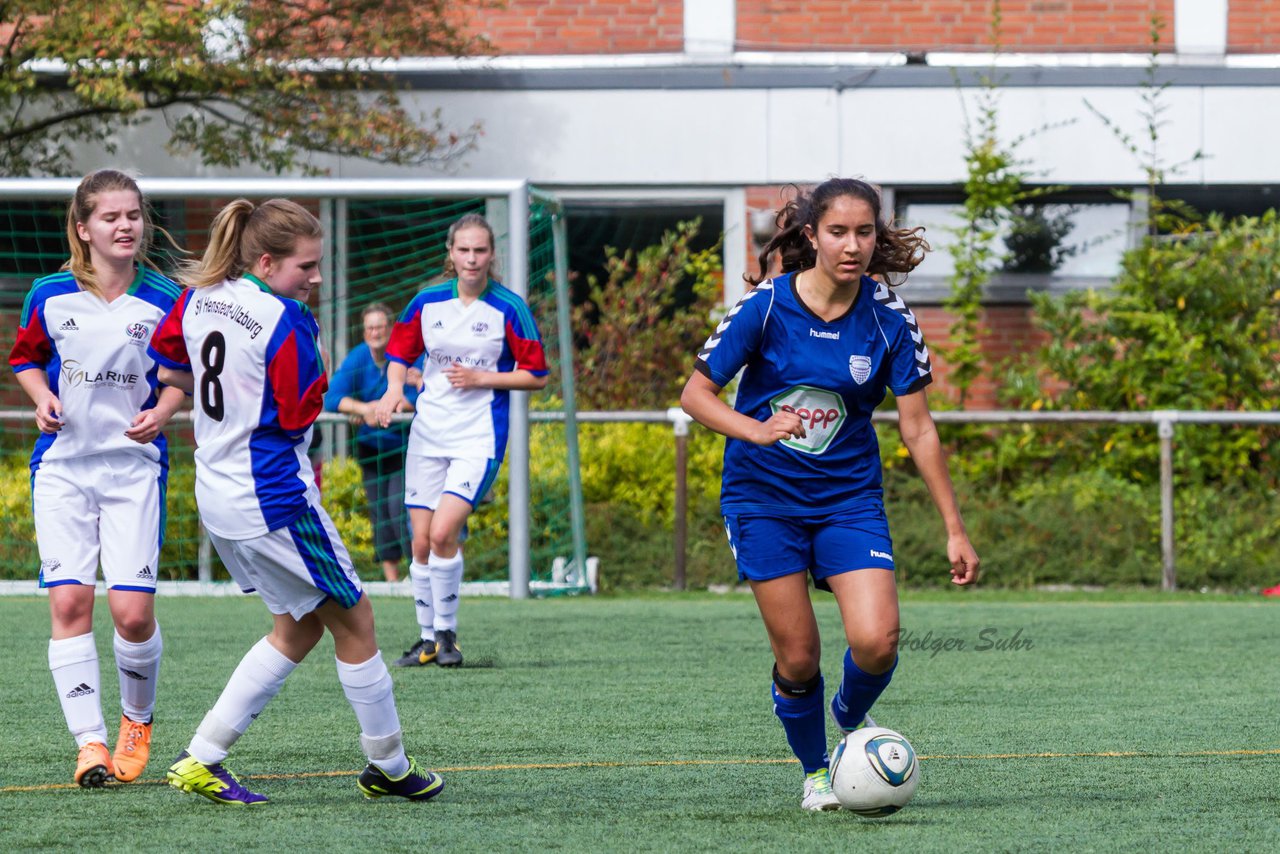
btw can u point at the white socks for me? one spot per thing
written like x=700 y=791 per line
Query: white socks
x=139 y=667
x=446 y=581
x=368 y=689
x=74 y=664
x=420 y=575
x=257 y=679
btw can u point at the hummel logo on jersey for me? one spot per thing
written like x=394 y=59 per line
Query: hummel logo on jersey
x=81 y=690
x=69 y=325
x=145 y=572
x=879 y=554
x=133 y=674
x=831 y=336
x=439 y=324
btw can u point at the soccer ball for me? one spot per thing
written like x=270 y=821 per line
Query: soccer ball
x=874 y=771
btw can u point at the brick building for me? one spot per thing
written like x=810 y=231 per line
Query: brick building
x=640 y=112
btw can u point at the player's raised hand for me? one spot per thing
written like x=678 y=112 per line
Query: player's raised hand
x=781 y=425
x=49 y=414
x=964 y=560
x=388 y=404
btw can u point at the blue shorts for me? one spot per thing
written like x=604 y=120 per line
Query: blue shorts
x=768 y=547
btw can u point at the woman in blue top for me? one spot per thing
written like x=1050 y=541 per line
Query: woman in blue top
x=356 y=388
x=818 y=347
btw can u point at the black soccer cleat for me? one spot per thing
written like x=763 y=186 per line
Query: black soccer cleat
x=422 y=652
x=415 y=784
x=447 y=652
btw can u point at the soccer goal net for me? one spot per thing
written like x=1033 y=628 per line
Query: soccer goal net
x=385 y=241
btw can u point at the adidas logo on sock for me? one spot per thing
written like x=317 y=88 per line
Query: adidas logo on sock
x=133 y=674
x=81 y=690
x=69 y=325
x=452 y=597
x=145 y=572
x=420 y=602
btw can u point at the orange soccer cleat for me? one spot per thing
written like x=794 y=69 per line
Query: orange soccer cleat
x=133 y=749
x=93 y=766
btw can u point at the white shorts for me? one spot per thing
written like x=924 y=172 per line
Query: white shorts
x=428 y=478
x=106 y=508
x=295 y=569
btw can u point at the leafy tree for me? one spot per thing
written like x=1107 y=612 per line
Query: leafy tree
x=232 y=81
x=1034 y=242
x=994 y=186
x=1192 y=322
x=641 y=327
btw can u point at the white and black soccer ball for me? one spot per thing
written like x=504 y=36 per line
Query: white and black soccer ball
x=874 y=771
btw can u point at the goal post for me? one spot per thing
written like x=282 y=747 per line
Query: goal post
x=385 y=241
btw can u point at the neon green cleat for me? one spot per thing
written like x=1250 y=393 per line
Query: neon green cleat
x=188 y=774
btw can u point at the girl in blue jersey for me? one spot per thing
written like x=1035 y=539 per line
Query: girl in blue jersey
x=357 y=386
x=99 y=467
x=243 y=339
x=818 y=346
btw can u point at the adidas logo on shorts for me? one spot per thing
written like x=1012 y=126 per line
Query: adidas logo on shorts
x=69 y=325
x=133 y=674
x=81 y=690
x=146 y=572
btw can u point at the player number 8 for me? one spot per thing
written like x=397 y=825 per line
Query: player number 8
x=213 y=355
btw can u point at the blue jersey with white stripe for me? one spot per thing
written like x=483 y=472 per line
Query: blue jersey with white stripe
x=832 y=373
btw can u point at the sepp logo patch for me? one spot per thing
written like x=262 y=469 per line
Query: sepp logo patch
x=823 y=413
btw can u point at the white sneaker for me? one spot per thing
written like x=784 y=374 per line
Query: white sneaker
x=818 y=796
x=836 y=708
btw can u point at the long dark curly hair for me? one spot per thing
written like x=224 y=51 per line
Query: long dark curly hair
x=898 y=250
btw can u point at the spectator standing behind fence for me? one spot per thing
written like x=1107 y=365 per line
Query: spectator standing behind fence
x=801 y=490
x=241 y=337
x=356 y=388
x=480 y=342
x=100 y=464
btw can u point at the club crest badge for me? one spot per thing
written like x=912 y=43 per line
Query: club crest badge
x=860 y=368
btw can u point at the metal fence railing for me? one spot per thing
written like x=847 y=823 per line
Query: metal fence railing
x=1165 y=421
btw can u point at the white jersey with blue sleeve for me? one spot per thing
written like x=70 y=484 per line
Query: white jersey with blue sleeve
x=259 y=385
x=494 y=332
x=832 y=373
x=94 y=353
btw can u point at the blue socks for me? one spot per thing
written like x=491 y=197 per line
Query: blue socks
x=858 y=692
x=806 y=731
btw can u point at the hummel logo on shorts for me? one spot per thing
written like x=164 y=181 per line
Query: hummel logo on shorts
x=133 y=674
x=81 y=690
x=69 y=325
x=145 y=572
